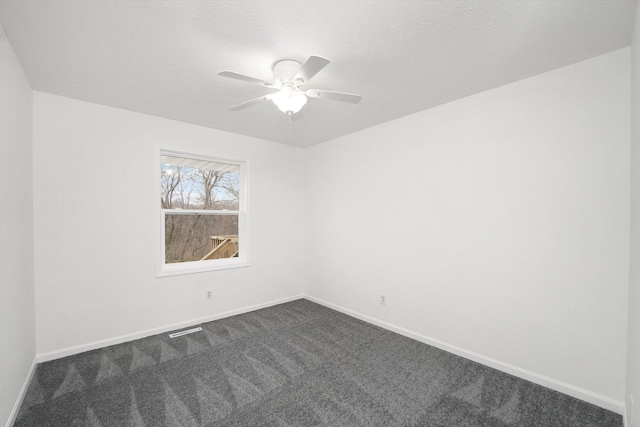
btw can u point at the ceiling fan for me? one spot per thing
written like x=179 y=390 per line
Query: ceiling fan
x=289 y=77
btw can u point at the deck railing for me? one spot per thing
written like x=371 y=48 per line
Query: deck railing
x=222 y=247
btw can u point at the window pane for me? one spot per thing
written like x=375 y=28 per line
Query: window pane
x=198 y=184
x=200 y=237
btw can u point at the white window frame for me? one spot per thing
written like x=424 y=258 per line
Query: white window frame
x=162 y=268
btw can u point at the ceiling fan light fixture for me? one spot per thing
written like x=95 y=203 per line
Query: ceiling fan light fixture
x=289 y=100
x=289 y=77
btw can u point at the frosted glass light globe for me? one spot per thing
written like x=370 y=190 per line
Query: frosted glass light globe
x=289 y=100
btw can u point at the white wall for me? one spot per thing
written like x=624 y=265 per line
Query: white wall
x=633 y=353
x=498 y=223
x=94 y=224
x=17 y=318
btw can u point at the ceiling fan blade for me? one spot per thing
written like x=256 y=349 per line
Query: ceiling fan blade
x=297 y=116
x=251 y=103
x=334 y=96
x=237 y=76
x=310 y=68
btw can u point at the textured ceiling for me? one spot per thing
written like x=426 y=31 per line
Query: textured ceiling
x=402 y=56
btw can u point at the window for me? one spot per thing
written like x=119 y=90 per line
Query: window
x=202 y=213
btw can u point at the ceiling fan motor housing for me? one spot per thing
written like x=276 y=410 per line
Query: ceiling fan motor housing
x=284 y=72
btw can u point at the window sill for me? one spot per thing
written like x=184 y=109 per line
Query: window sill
x=197 y=267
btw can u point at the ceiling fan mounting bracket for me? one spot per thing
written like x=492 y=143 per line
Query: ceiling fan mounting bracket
x=284 y=72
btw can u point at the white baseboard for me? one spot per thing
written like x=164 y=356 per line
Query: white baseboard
x=577 y=392
x=57 y=354
x=23 y=392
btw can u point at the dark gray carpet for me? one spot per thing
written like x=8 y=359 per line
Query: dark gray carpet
x=296 y=364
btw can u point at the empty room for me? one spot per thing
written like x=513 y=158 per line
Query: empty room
x=320 y=213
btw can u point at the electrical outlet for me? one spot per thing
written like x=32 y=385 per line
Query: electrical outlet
x=383 y=299
x=209 y=294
